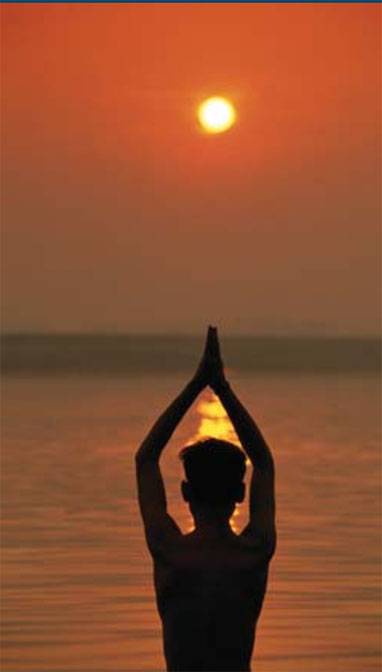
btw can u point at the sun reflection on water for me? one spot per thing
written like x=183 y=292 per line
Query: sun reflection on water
x=215 y=423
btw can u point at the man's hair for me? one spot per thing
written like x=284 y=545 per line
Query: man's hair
x=214 y=470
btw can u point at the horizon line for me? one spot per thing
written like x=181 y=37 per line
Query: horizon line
x=190 y=334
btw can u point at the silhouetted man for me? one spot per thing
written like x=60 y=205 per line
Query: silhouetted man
x=210 y=584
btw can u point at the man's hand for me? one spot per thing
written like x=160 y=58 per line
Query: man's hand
x=210 y=370
x=202 y=374
x=215 y=363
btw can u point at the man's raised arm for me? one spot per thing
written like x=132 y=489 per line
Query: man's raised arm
x=159 y=526
x=262 y=488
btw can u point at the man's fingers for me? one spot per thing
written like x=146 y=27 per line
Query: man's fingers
x=215 y=347
x=212 y=348
x=207 y=341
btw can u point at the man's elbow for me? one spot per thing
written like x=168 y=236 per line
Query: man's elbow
x=140 y=455
x=144 y=454
x=271 y=543
x=266 y=465
x=272 y=466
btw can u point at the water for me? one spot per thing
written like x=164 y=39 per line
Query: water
x=121 y=354
x=77 y=584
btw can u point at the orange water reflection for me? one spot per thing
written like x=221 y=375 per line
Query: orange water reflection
x=215 y=423
x=213 y=420
x=77 y=575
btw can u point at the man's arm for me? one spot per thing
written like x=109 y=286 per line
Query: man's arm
x=159 y=526
x=262 y=488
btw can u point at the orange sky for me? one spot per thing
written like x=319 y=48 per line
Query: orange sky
x=119 y=214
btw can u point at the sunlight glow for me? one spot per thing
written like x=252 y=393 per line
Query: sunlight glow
x=214 y=422
x=216 y=115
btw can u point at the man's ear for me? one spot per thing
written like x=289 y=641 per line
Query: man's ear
x=240 y=493
x=185 y=488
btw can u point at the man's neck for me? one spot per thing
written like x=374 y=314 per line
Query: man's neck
x=211 y=526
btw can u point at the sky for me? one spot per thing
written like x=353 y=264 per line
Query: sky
x=120 y=214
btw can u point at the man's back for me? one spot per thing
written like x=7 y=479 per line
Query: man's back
x=210 y=590
x=210 y=584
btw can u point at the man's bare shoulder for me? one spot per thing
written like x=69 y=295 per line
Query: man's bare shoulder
x=198 y=570
x=233 y=551
x=254 y=542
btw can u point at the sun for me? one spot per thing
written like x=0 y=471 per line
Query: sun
x=216 y=114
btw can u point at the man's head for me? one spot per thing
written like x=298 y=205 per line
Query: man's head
x=214 y=470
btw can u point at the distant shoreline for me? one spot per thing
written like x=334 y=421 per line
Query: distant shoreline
x=268 y=335
x=124 y=354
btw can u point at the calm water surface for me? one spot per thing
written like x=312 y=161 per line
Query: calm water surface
x=77 y=585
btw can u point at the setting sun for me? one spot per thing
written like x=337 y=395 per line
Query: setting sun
x=216 y=115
